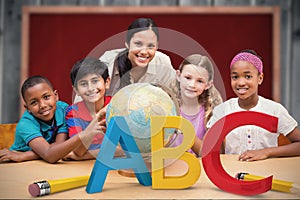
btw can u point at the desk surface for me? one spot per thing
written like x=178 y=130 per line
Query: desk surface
x=15 y=178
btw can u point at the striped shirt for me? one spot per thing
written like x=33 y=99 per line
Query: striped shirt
x=78 y=118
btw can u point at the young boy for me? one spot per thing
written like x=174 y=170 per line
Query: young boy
x=90 y=81
x=253 y=142
x=42 y=131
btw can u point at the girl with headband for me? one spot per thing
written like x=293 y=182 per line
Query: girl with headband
x=253 y=142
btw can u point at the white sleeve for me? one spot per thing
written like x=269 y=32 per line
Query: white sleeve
x=109 y=57
x=286 y=123
x=218 y=113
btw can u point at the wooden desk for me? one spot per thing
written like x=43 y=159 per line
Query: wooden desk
x=15 y=178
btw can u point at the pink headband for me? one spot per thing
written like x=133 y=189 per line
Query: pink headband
x=249 y=57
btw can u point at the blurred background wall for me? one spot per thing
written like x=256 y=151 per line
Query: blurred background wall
x=10 y=44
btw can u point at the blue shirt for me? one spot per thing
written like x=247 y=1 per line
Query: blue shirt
x=30 y=127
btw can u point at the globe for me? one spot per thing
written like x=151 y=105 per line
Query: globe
x=137 y=103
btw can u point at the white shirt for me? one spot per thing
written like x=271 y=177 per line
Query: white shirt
x=251 y=137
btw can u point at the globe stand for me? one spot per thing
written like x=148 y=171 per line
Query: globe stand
x=130 y=173
x=127 y=173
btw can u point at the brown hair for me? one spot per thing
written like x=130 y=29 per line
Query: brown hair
x=211 y=97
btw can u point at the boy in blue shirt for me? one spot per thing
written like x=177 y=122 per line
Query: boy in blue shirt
x=42 y=131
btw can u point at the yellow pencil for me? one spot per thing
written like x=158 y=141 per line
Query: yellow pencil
x=41 y=188
x=278 y=185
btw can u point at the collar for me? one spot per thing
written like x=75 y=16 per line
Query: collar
x=80 y=110
x=59 y=118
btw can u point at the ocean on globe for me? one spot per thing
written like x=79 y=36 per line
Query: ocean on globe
x=137 y=103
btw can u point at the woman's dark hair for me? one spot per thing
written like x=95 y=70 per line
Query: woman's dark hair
x=87 y=66
x=141 y=24
x=138 y=25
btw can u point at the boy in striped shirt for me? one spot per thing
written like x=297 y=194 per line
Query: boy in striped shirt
x=90 y=80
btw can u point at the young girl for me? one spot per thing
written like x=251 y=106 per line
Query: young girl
x=198 y=96
x=252 y=142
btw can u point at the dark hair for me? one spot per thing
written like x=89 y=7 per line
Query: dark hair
x=138 y=25
x=141 y=24
x=252 y=52
x=87 y=66
x=32 y=81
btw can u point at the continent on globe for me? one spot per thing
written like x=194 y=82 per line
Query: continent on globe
x=137 y=103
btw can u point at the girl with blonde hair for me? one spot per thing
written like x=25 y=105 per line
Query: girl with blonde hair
x=197 y=95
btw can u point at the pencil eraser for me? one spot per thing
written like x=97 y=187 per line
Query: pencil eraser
x=34 y=190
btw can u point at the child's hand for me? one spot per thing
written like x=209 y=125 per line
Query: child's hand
x=8 y=155
x=103 y=123
x=254 y=155
x=91 y=154
x=72 y=156
x=101 y=114
x=88 y=134
x=101 y=118
x=94 y=127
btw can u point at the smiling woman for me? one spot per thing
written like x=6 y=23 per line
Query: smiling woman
x=139 y=62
